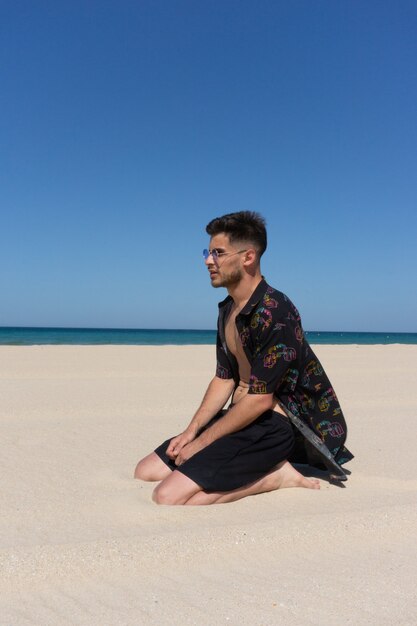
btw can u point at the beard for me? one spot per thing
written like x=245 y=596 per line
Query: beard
x=228 y=280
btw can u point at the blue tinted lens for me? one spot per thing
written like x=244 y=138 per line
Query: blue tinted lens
x=213 y=253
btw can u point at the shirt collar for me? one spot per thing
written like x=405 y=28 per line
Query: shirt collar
x=254 y=299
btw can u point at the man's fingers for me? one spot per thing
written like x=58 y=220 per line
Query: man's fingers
x=172 y=452
x=173 y=445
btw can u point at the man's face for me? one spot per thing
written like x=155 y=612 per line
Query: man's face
x=227 y=271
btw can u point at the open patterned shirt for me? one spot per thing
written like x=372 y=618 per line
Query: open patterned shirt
x=283 y=363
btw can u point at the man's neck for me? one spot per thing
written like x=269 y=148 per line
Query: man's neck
x=242 y=291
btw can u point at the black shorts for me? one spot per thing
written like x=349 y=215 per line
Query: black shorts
x=240 y=458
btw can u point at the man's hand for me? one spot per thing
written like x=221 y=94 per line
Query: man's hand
x=177 y=443
x=189 y=450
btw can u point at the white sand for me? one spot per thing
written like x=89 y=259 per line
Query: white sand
x=82 y=543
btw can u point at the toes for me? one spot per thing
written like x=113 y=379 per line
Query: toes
x=310 y=483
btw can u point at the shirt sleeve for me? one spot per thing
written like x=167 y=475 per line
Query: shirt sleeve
x=277 y=348
x=223 y=367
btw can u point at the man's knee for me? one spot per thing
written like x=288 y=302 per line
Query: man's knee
x=140 y=471
x=175 y=489
x=164 y=495
x=151 y=468
x=145 y=470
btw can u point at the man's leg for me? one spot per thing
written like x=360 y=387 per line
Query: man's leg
x=283 y=476
x=152 y=468
x=175 y=489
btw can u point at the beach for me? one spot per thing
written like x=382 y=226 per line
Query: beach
x=83 y=543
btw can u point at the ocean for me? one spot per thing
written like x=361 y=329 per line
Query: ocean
x=19 y=336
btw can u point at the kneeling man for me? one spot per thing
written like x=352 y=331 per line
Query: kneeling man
x=267 y=368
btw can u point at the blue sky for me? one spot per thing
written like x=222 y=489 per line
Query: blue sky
x=126 y=126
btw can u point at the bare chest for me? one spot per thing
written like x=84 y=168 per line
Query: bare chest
x=234 y=345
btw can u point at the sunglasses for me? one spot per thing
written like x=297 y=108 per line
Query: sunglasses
x=216 y=255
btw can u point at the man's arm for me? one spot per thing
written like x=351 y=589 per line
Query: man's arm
x=216 y=396
x=239 y=416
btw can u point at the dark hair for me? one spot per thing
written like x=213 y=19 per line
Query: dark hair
x=241 y=226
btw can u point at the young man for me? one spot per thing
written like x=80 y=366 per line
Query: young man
x=267 y=367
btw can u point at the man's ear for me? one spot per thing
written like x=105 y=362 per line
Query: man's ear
x=250 y=256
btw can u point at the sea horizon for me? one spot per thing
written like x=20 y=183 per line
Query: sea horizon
x=56 y=335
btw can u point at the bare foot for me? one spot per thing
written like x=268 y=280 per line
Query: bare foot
x=285 y=475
